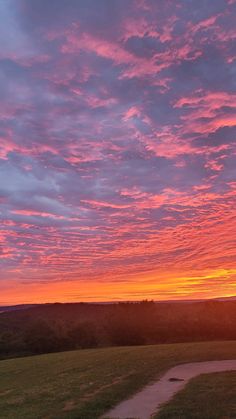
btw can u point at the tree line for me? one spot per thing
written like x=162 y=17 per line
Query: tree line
x=60 y=327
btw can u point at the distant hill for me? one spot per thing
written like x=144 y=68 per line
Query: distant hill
x=3 y=309
x=233 y=298
x=26 y=306
x=58 y=327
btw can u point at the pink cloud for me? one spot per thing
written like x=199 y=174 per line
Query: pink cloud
x=31 y=213
x=132 y=112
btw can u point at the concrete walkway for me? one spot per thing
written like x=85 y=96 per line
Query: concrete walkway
x=147 y=402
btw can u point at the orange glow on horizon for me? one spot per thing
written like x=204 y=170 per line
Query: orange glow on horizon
x=135 y=289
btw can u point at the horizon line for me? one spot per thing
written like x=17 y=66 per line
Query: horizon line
x=231 y=297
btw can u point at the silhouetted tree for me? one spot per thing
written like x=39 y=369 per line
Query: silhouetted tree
x=41 y=338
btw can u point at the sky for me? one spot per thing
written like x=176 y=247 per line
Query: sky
x=117 y=150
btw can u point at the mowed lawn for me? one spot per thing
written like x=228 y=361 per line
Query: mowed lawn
x=210 y=396
x=85 y=383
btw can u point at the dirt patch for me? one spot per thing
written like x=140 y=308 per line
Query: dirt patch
x=70 y=405
x=117 y=380
x=5 y=393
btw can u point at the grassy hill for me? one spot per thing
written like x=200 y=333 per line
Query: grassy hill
x=85 y=383
x=209 y=396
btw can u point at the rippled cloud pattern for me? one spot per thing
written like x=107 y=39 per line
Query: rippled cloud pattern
x=117 y=149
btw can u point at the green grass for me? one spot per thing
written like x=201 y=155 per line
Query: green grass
x=210 y=396
x=84 y=384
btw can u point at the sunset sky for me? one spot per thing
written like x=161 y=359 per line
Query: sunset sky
x=117 y=150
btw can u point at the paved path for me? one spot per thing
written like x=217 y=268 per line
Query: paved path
x=145 y=403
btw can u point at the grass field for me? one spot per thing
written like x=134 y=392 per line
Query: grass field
x=210 y=396
x=84 y=384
